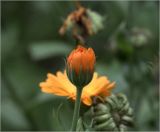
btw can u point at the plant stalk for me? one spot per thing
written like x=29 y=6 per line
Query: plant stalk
x=76 y=110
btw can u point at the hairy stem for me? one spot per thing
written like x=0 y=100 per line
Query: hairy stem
x=76 y=110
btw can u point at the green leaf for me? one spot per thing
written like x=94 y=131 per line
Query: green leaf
x=144 y=15
x=57 y=117
x=43 y=50
x=9 y=40
x=13 y=116
x=114 y=72
x=65 y=114
x=23 y=78
x=42 y=116
x=144 y=114
x=80 y=126
x=41 y=99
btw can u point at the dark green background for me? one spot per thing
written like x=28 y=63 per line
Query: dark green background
x=32 y=47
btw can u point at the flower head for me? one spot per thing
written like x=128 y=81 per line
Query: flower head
x=60 y=85
x=80 y=65
x=81 y=59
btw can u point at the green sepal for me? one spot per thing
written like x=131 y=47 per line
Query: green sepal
x=81 y=79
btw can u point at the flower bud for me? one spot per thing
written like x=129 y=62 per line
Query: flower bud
x=80 y=65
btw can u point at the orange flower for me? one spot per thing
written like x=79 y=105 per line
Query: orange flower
x=61 y=86
x=81 y=58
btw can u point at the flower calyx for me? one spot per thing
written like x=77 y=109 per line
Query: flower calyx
x=80 y=66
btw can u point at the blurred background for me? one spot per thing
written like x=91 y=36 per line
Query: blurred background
x=126 y=49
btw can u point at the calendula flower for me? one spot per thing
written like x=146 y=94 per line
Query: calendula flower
x=81 y=59
x=80 y=65
x=60 y=85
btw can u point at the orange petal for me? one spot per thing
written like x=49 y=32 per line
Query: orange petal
x=107 y=90
x=58 y=85
x=91 y=58
x=76 y=61
x=87 y=101
x=99 y=87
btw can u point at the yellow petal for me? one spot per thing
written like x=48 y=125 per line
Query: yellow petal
x=57 y=86
x=99 y=87
x=61 y=86
x=87 y=101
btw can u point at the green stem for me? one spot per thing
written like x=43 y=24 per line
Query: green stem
x=76 y=110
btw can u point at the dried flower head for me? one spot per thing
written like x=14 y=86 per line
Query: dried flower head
x=82 y=22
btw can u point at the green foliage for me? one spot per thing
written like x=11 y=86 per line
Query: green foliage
x=32 y=47
x=115 y=72
x=45 y=50
x=10 y=110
